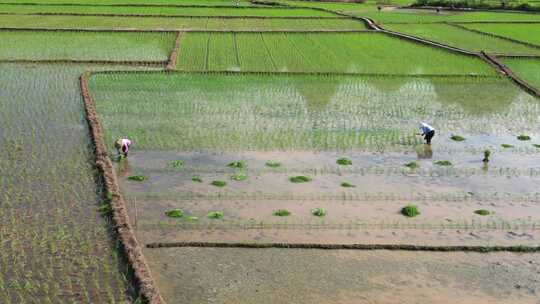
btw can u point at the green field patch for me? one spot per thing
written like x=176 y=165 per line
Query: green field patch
x=461 y=38
x=526 y=69
x=177 y=23
x=282 y=212
x=30 y=45
x=320 y=52
x=267 y=112
x=163 y=10
x=410 y=211
x=299 y=179
x=174 y=213
x=320 y=212
x=529 y=33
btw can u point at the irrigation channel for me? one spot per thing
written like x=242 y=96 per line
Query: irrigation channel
x=65 y=190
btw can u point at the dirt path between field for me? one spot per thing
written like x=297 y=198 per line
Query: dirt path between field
x=171 y=65
x=132 y=249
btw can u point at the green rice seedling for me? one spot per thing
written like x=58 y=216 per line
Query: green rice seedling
x=300 y=179
x=487 y=154
x=482 y=212
x=457 y=138
x=219 y=183
x=215 y=215
x=174 y=213
x=192 y=218
x=320 y=212
x=410 y=211
x=282 y=212
x=344 y=161
x=273 y=164
x=347 y=185
x=507 y=146
x=536 y=145
x=239 y=176
x=197 y=179
x=239 y=164
x=443 y=163
x=523 y=137
x=413 y=164
x=105 y=208
x=137 y=178
x=176 y=163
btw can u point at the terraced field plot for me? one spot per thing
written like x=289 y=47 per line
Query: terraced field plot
x=179 y=23
x=528 y=69
x=164 y=10
x=320 y=52
x=56 y=247
x=325 y=156
x=464 y=39
x=528 y=33
x=32 y=45
x=281 y=126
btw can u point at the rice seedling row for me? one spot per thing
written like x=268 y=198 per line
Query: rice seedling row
x=166 y=11
x=145 y=3
x=526 y=69
x=56 y=246
x=527 y=33
x=171 y=24
x=73 y=46
x=326 y=52
x=294 y=113
x=453 y=36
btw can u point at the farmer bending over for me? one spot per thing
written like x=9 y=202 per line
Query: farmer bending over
x=122 y=146
x=427 y=131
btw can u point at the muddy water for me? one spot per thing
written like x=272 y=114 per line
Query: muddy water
x=447 y=196
x=205 y=275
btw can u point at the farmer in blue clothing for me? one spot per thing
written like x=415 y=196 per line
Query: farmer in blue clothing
x=427 y=131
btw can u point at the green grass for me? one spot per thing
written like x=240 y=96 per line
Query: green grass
x=215 y=215
x=523 y=137
x=527 y=69
x=344 y=161
x=300 y=179
x=464 y=39
x=482 y=212
x=137 y=178
x=269 y=112
x=238 y=164
x=328 y=52
x=219 y=183
x=177 y=23
x=282 y=212
x=347 y=185
x=410 y=211
x=412 y=165
x=146 y=2
x=177 y=163
x=529 y=33
x=197 y=179
x=239 y=176
x=174 y=213
x=443 y=163
x=273 y=164
x=320 y=212
x=536 y=145
x=85 y=46
x=457 y=138
x=169 y=11
x=507 y=146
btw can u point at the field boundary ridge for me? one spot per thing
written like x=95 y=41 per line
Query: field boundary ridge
x=141 y=271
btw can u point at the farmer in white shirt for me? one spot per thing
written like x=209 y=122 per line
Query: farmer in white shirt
x=122 y=146
x=427 y=131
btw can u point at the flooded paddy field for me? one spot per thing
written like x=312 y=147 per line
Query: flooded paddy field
x=185 y=275
x=236 y=150
x=55 y=246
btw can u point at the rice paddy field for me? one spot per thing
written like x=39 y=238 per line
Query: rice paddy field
x=273 y=145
